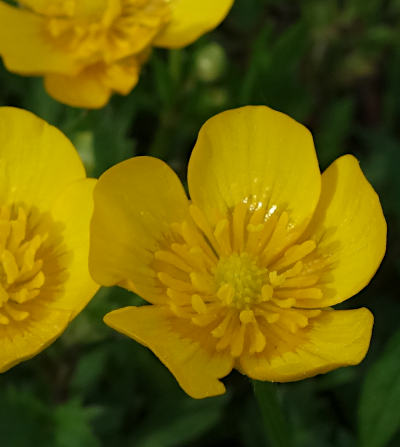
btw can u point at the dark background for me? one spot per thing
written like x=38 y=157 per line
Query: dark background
x=332 y=65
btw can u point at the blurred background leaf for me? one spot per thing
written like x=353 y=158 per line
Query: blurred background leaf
x=379 y=415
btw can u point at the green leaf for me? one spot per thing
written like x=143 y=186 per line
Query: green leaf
x=72 y=425
x=379 y=415
x=177 y=423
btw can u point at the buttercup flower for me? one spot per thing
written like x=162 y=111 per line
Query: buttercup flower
x=244 y=274
x=46 y=205
x=88 y=49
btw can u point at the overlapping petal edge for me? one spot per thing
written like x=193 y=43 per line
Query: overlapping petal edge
x=32 y=42
x=44 y=186
x=252 y=170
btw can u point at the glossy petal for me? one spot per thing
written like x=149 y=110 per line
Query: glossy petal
x=350 y=231
x=26 y=49
x=196 y=368
x=190 y=19
x=335 y=338
x=73 y=210
x=257 y=155
x=21 y=341
x=135 y=203
x=37 y=161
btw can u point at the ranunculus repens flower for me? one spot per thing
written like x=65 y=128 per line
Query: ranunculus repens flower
x=88 y=49
x=45 y=208
x=244 y=274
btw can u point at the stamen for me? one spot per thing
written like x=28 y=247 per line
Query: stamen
x=294 y=254
x=267 y=292
x=17 y=315
x=203 y=282
x=198 y=304
x=237 y=342
x=258 y=340
x=277 y=241
x=201 y=222
x=170 y=258
x=226 y=293
x=311 y=293
x=241 y=278
x=169 y=281
x=10 y=266
x=238 y=223
x=222 y=236
x=300 y=281
x=3 y=319
x=179 y=298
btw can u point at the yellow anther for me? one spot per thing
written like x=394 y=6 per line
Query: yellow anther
x=202 y=223
x=10 y=266
x=220 y=330
x=179 y=298
x=3 y=295
x=172 y=259
x=247 y=316
x=244 y=276
x=204 y=319
x=294 y=254
x=258 y=340
x=267 y=292
x=15 y=314
x=36 y=282
x=275 y=279
x=223 y=237
x=237 y=342
x=198 y=304
x=226 y=294
x=285 y=303
x=173 y=283
x=203 y=282
x=3 y=319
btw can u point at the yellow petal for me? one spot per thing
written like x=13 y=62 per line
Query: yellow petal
x=25 y=47
x=50 y=7
x=350 y=231
x=258 y=156
x=123 y=75
x=72 y=211
x=335 y=338
x=36 y=160
x=190 y=19
x=22 y=340
x=93 y=87
x=85 y=89
x=195 y=367
x=134 y=204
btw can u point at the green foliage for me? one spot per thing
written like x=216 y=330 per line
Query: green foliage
x=335 y=66
x=379 y=415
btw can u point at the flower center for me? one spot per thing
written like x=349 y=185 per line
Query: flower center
x=241 y=278
x=24 y=272
x=112 y=30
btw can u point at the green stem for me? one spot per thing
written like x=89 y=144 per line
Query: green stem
x=274 y=421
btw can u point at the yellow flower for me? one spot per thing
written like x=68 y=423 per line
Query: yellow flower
x=45 y=209
x=244 y=274
x=88 y=49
